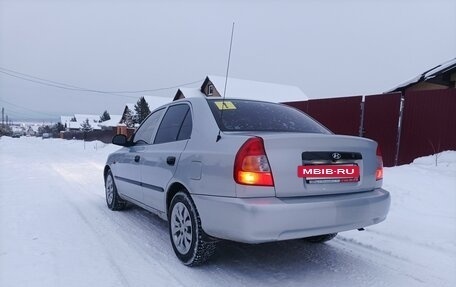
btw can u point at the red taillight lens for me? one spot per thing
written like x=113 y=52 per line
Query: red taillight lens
x=379 y=171
x=251 y=166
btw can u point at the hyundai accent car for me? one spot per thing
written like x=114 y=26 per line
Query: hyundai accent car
x=246 y=171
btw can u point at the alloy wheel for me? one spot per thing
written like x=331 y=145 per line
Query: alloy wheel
x=181 y=228
x=109 y=189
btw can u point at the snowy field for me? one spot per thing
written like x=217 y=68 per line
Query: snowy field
x=55 y=230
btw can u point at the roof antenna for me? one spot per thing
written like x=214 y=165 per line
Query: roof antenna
x=226 y=81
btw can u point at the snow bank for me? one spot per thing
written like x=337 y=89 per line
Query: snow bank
x=445 y=160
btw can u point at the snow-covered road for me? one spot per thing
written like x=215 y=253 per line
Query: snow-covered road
x=55 y=230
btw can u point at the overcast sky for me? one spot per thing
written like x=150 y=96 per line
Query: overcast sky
x=327 y=48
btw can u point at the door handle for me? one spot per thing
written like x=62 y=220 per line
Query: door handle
x=171 y=160
x=137 y=158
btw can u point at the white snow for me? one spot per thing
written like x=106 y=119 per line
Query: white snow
x=65 y=119
x=247 y=89
x=113 y=122
x=192 y=92
x=55 y=230
x=254 y=90
x=80 y=118
x=155 y=102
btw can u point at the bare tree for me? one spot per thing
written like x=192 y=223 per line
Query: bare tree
x=436 y=150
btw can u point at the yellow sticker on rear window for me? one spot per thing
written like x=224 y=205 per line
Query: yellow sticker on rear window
x=225 y=105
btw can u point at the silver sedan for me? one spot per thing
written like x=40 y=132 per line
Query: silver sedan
x=246 y=171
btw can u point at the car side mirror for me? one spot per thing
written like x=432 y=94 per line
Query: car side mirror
x=120 y=140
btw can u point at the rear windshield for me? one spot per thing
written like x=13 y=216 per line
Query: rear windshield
x=245 y=115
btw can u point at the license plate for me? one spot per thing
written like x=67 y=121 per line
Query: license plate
x=329 y=173
x=331 y=180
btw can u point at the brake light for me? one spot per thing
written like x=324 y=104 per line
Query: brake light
x=251 y=165
x=379 y=171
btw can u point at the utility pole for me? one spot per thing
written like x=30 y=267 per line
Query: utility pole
x=3 y=116
x=6 y=119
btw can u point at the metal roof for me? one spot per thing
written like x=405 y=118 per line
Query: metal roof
x=427 y=75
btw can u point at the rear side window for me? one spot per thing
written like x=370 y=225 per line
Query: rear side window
x=176 y=125
x=186 y=128
x=245 y=115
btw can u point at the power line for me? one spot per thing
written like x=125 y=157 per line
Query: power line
x=23 y=113
x=10 y=113
x=84 y=89
x=60 y=85
x=40 y=82
x=64 y=86
x=25 y=108
x=37 y=78
x=20 y=115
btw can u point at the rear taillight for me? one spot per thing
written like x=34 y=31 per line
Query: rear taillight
x=251 y=166
x=379 y=171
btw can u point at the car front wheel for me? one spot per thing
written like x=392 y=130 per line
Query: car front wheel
x=191 y=245
x=113 y=199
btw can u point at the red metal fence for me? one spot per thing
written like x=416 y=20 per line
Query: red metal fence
x=428 y=125
x=428 y=121
x=380 y=123
x=340 y=115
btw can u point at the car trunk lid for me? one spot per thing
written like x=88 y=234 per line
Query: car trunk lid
x=290 y=152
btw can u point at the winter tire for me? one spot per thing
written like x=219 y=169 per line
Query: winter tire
x=191 y=245
x=320 y=238
x=113 y=199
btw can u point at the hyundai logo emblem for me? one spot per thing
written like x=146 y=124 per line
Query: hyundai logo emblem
x=336 y=155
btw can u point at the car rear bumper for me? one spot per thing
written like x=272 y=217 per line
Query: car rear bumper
x=256 y=220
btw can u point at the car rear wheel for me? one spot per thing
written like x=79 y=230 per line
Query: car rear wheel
x=113 y=199
x=321 y=238
x=191 y=245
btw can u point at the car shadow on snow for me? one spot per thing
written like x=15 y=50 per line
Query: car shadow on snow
x=292 y=263
x=282 y=259
x=267 y=262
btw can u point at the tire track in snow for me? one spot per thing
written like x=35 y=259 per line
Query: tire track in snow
x=98 y=232
x=371 y=248
x=67 y=173
x=387 y=256
x=118 y=271
x=409 y=240
x=148 y=227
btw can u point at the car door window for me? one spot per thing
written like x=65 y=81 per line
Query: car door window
x=172 y=124
x=186 y=128
x=146 y=131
